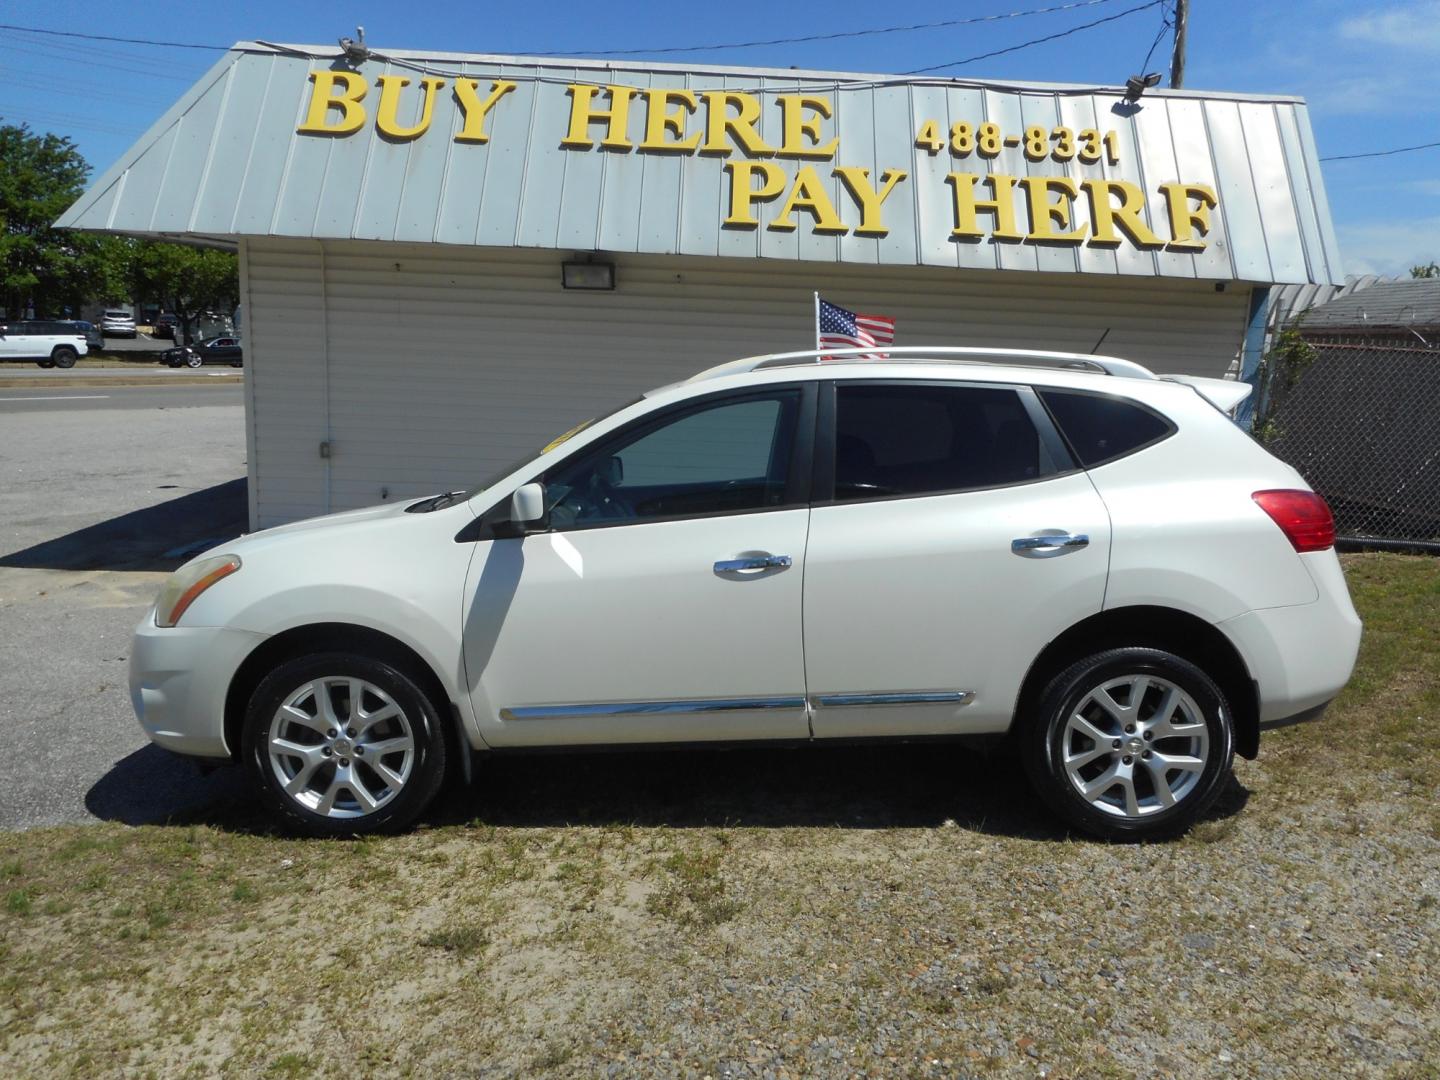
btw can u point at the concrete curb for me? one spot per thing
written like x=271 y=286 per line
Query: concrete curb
x=80 y=382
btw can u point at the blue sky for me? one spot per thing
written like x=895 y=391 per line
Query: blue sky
x=1371 y=71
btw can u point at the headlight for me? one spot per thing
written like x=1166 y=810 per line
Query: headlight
x=187 y=583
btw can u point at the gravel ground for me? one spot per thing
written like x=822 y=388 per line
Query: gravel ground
x=91 y=500
x=837 y=912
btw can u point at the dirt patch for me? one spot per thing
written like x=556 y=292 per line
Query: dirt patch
x=1294 y=933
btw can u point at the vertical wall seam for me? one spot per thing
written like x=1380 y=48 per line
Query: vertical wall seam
x=327 y=469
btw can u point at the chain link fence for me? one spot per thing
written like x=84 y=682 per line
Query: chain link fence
x=1362 y=424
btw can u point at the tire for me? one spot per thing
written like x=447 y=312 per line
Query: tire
x=64 y=356
x=1196 y=730
x=47 y=363
x=401 y=782
x=193 y=361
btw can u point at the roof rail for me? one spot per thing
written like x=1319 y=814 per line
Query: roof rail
x=942 y=354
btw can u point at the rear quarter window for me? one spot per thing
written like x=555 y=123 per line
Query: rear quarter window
x=1100 y=428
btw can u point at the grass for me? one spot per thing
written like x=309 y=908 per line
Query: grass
x=904 y=911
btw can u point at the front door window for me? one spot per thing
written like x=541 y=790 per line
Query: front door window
x=728 y=457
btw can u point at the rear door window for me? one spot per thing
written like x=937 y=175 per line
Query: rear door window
x=1100 y=428
x=923 y=439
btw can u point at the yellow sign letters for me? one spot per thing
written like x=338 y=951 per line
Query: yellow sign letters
x=752 y=131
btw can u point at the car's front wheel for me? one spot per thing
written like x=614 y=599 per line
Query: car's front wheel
x=340 y=745
x=193 y=361
x=1130 y=744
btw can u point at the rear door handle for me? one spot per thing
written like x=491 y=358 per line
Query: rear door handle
x=1044 y=544
x=752 y=563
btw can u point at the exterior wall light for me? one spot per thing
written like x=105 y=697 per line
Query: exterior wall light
x=587 y=275
x=1136 y=85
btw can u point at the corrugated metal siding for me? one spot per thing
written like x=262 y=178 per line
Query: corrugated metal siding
x=228 y=161
x=445 y=364
x=286 y=368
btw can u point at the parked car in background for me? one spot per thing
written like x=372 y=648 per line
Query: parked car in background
x=1067 y=550
x=216 y=350
x=94 y=339
x=48 y=343
x=117 y=324
x=165 y=326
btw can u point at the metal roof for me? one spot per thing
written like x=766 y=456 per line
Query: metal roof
x=1385 y=304
x=227 y=161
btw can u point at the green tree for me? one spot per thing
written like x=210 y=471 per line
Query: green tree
x=1431 y=271
x=188 y=281
x=40 y=176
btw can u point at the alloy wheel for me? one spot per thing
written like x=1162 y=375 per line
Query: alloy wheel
x=1135 y=746
x=341 y=747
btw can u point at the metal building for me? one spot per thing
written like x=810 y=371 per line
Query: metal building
x=405 y=222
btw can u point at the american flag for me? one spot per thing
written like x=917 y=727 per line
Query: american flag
x=841 y=329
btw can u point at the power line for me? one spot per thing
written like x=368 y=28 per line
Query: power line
x=1164 y=25
x=1036 y=41
x=1072 y=5
x=106 y=37
x=1381 y=153
x=838 y=35
x=115 y=62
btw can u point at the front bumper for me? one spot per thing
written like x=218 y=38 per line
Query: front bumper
x=179 y=677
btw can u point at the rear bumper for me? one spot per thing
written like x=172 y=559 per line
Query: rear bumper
x=1302 y=656
x=179 y=677
x=1303 y=717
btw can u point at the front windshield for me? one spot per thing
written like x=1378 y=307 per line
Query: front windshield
x=515 y=466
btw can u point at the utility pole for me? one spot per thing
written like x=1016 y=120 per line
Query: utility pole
x=1177 y=59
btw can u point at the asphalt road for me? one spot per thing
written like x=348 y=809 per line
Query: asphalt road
x=101 y=494
x=129 y=398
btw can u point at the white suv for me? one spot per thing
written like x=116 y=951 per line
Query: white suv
x=50 y=344
x=1066 y=549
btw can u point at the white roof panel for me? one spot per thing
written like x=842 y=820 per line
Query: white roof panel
x=228 y=160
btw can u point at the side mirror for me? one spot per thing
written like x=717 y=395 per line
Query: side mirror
x=527 y=505
x=526 y=509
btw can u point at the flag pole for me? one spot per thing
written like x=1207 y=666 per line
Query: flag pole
x=817 y=319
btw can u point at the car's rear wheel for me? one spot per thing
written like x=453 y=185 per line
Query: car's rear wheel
x=1130 y=744
x=64 y=356
x=341 y=745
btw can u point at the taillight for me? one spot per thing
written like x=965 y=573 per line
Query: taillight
x=1302 y=516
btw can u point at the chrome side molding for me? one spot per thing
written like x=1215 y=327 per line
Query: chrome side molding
x=648 y=708
x=912 y=697
x=683 y=706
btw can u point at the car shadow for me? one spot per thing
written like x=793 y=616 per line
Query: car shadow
x=853 y=787
x=155 y=787
x=159 y=537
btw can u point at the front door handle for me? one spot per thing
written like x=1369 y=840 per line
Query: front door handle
x=1043 y=545
x=751 y=563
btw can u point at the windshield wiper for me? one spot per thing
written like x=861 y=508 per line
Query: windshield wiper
x=435 y=502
